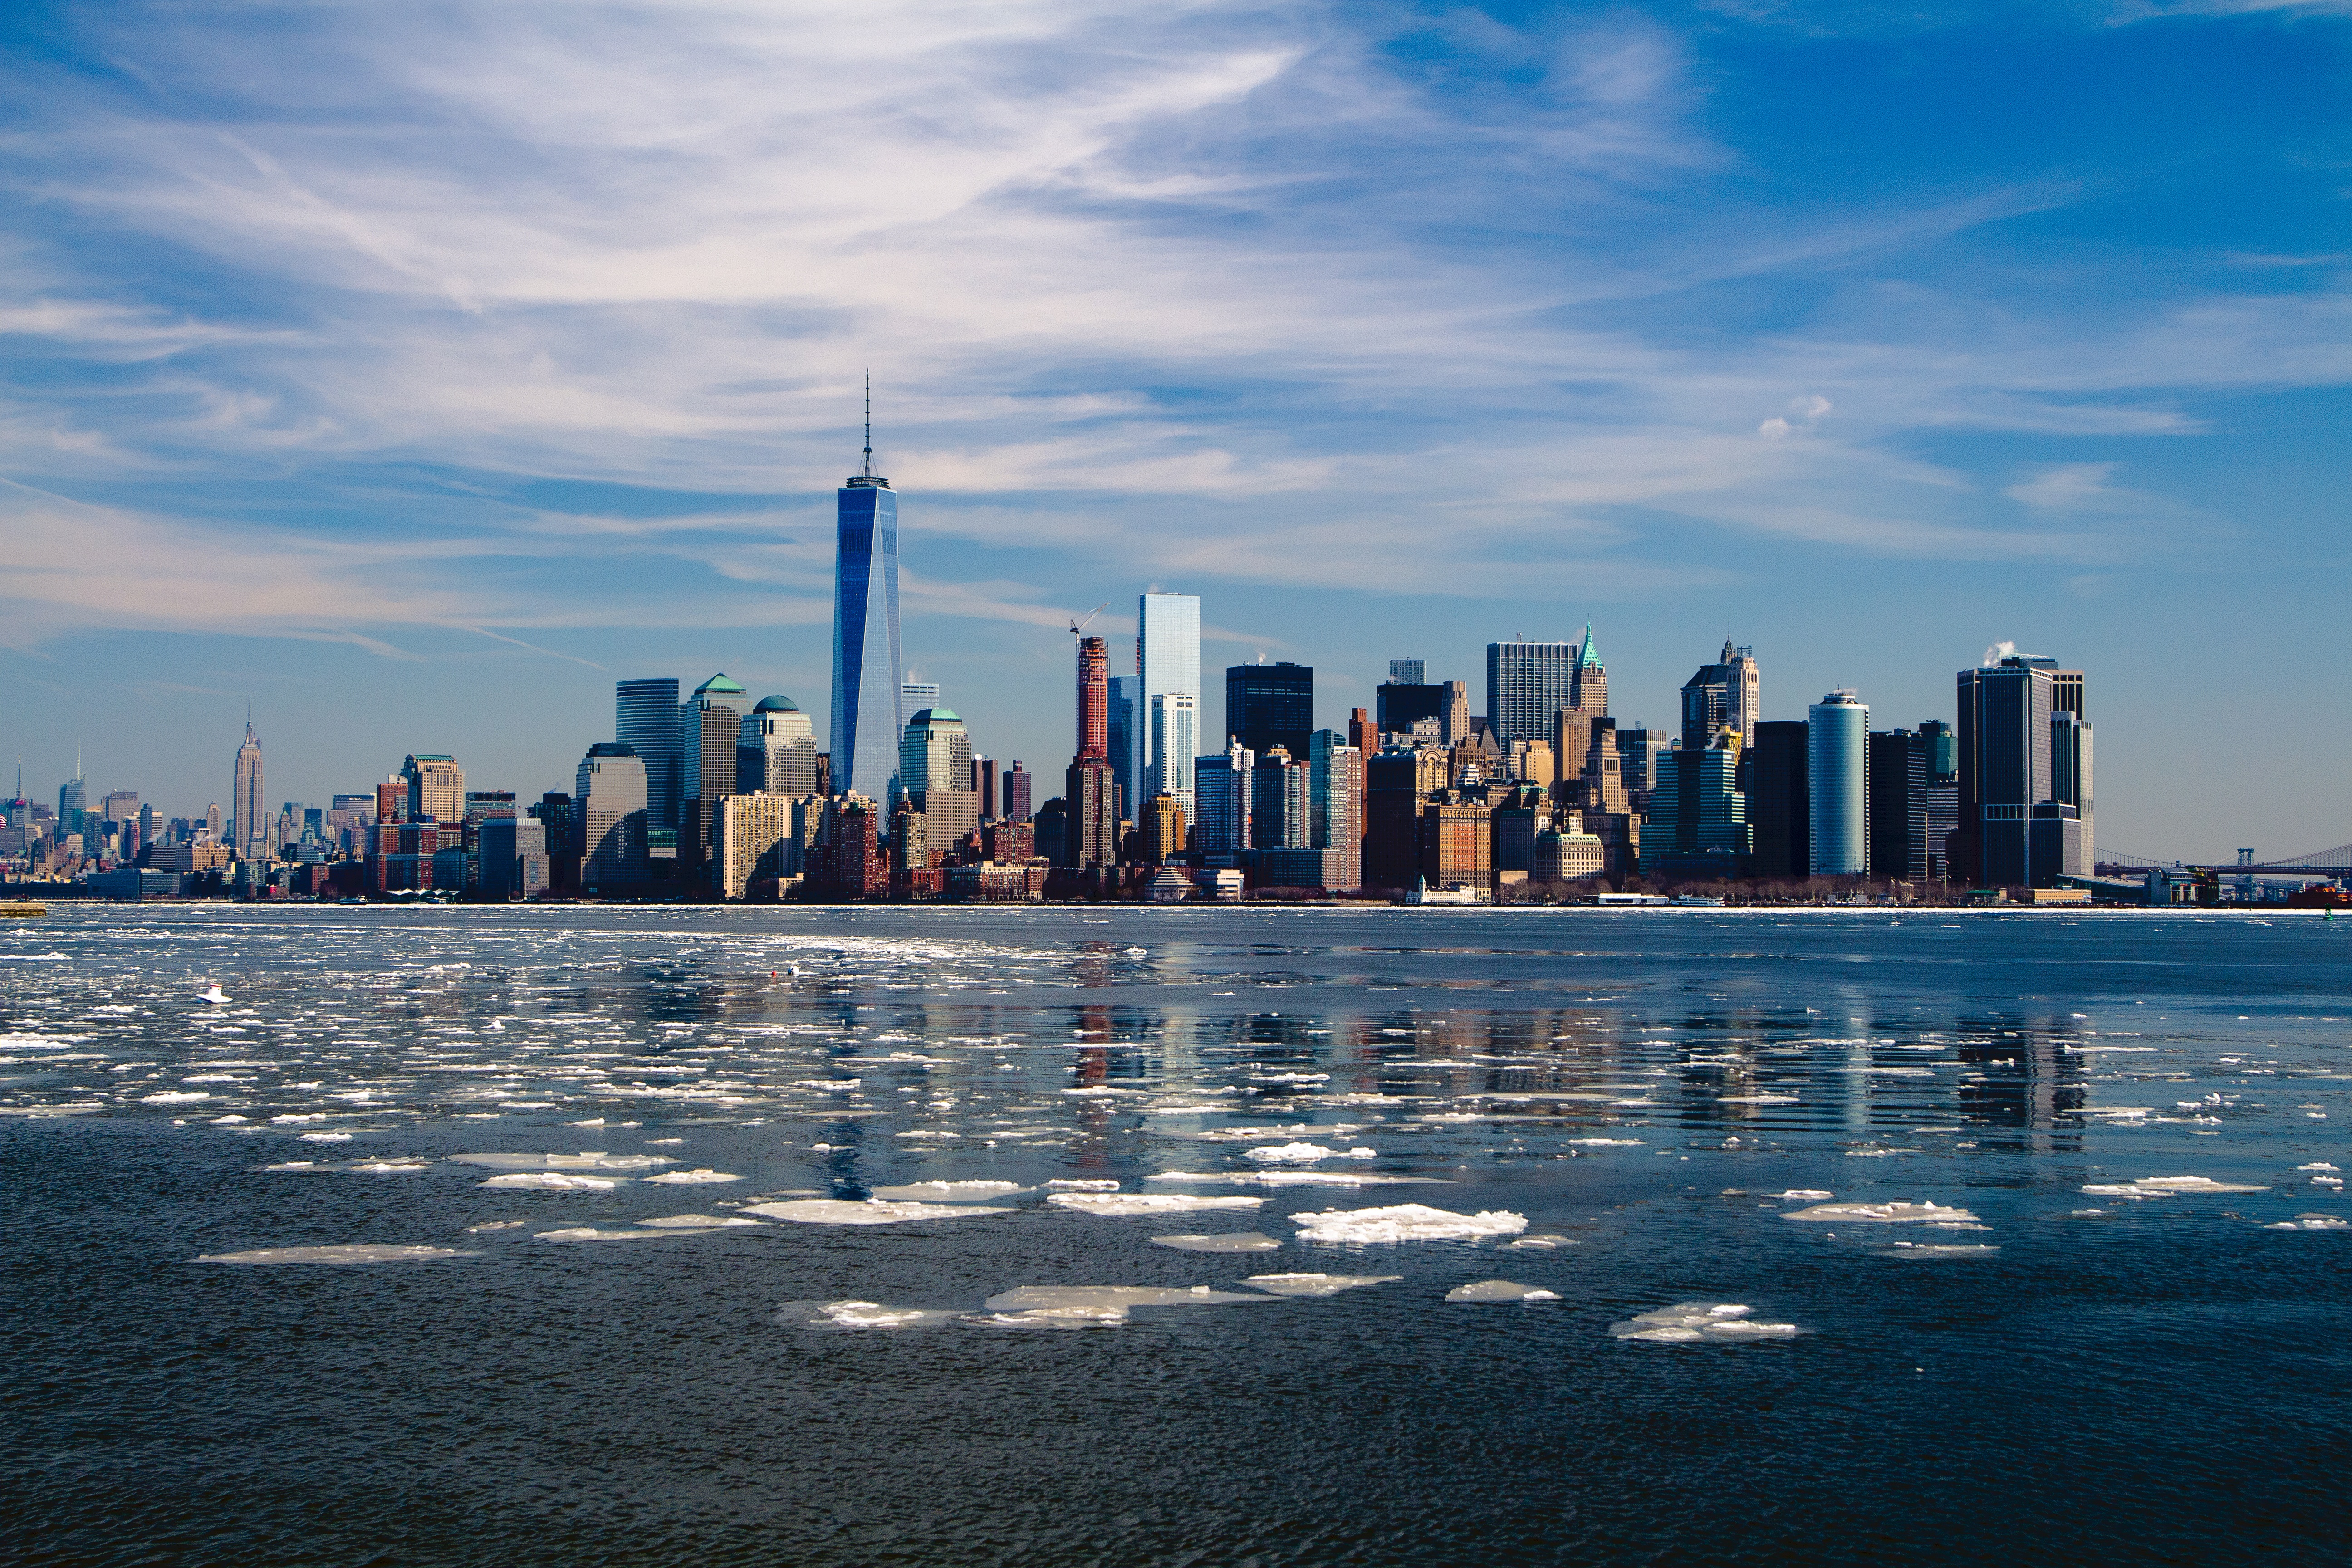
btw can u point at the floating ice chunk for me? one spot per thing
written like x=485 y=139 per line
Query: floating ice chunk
x=658 y=1142
x=1305 y=1154
x=176 y=1096
x=325 y=1137
x=2314 y=1165
x=861 y=1315
x=953 y=1192
x=1072 y=1185
x=1807 y=1194
x=1050 y=1297
x=2167 y=1187
x=701 y=1176
x=1316 y=1284
x=1231 y=1241
x=2312 y=1222
x=1884 y=1213
x=589 y=1233
x=1405 y=1222
x=586 y=1159
x=491 y=1224
x=1936 y=1249
x=1111 y=1205
x=1606 y=1143
x=876 y=1211
x=384 y=1167
x=215 y=995
x=294 y=1165
x=1760 y=1099
x=700 y=1222
x=233 y=1121
x=1054 y=1318
x=555 y=1182
x=360 y=1253
x=591 y=1122
x=1542 y=1243
x=1500 y=1290
x=1701 y=1322
x=1299 y=1179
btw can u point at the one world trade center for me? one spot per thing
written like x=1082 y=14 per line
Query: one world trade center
x=867 y=673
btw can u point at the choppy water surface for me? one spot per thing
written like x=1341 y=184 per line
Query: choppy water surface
x=1141 y=1237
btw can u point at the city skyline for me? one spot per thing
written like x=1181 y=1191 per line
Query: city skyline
x=370 y=405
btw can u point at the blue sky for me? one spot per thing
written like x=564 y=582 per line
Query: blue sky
x=419 y=371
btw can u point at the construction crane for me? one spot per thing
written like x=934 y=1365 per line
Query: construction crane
x=1077 y=628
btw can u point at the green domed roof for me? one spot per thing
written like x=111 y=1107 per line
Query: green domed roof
x=718 y=685
x=779 y=704
x=935 y=716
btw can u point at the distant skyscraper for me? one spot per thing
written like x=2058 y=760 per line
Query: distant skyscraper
x=935 y=772
x=1724 y=695
x=1698 y=814
x=1589 y=682
x=1121 y=743
x=73 y=797
x=1015 y=785
x=710 y=742
x=608 y=803
x=1837 y=785
x=1527 y=683
x=1281 y=792
x=2024 y=780
x=914 y=696
x=1335 y=794
x=1943 y=746
x=866 y=669
x=645 y=719
x=245 y=797
x=1898 y=805
x=1779 y=805
x=1173 y=741
x=776 y=750
x=1405 y=671
x=1091 y=792
x=1222 y=782
x=1269 y=705
x=437 y=788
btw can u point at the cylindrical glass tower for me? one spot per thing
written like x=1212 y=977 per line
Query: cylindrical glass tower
x=1837 y=777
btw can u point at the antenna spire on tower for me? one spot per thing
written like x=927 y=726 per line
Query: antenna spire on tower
x=870 y=425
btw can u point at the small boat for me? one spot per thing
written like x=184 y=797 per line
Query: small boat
x=214 y=995
x=23 y=910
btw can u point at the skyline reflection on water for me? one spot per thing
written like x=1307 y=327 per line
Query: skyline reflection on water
x=1641 y=1086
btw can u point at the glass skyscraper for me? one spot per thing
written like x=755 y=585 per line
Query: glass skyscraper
x=1167 y=666
x=645 y=719
x=1837 y=785
x=867 y=674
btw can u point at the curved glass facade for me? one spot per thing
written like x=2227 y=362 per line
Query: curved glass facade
x=1837 y=785
x=866 y=671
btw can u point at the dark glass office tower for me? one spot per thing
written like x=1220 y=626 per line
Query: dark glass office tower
x=866 y=668
x=1898 y=805
x=1270 y=705
x=2025 y=781
x=1779 y=807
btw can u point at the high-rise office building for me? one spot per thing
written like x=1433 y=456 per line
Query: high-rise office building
x=1335 y=808
x=1281 y=791
x=215 y=825
x=752 y=842
x=935 y=771
x=1269 y=705
x=1397 y=704
x=1724 y=695
x=437 y=788
x=73 y=798
x=1942 y=744
x=1406 y=671
x=1221 y=783
x=1527 y=683
x=609 y=804
x=1396 y=783
x=246 y=796
x=710 y=742
x=1837 y=785
x=867 y=672
x=1780 y=811
x=983 y=784
x=914 y=696
x=1167 y=695
x=776 y=751
x=1090 y=789
x=1160 y=829
x=1697 y=823
x=1018 y=802
x=645 y=719
x=1898 y=805
x=1121 y=743
x=1637 y=753
x=1588 y=689
x=2024 y=775
x=1173 y=740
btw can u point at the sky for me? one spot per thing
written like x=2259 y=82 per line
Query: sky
x=415 y=372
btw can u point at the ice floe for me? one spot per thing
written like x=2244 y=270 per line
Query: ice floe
x=700 y=1222
x=874 y=1210
x=215 y=995
x=1701 y=1322
x=1937 y=1249
x=325 y=1137
x=1304 y=1155
x=176 y=1096
x=586 y=1159
x=1073 y=1185
x=2311 y=1222
x=589 y=1233
x=1542 y=1243
x=385 y=1167
x=1806 y=1194
x=1500 y=1290
x=554 y=1182
x=862 y=1315
x=1299 y=1179
x=702 y=1177
x=1316 y=1284
x=359 y=1253
x=2166 y=1186
x=953 y=1192
x=1405 y=1222
x=1231 y=1241
x=1094 y=1306
x=1884 y=1213
x=1118 y=1204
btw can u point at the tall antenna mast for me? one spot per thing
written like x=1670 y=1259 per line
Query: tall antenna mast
x=870 y=425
